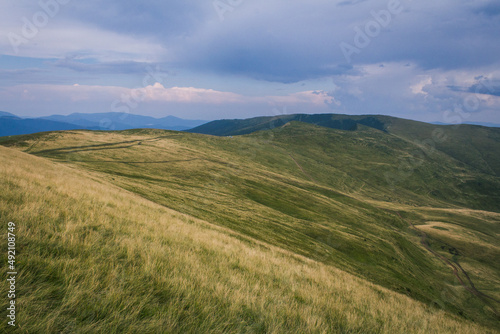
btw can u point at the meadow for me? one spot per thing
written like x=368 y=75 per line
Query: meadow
x=295 y=229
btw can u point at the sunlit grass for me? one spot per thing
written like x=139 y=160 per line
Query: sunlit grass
x=94 y=258
x=313 y=194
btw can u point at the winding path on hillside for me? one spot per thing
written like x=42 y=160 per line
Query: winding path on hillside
x=456 y=268
x=302 y=169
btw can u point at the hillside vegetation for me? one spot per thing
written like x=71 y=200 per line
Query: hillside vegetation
x=477 y=146
x=298 y=228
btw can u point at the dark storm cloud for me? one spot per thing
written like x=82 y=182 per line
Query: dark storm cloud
x=299 y=40
x=490 y=9
x=483 y=85
x=294 y=40
x=143 y=18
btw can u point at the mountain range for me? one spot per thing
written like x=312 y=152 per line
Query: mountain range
x=11 y=124
x=474 y=145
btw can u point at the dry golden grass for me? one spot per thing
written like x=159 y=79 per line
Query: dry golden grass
x=458 y=233
x=477 y=250
x=94 y=258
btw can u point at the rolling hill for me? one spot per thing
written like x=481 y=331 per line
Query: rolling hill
x=473 y=145
x=236 y=127
x=380 y=226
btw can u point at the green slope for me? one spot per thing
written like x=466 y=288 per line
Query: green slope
x=94 y=258
x=473 y=145
x=335 y=196
x=476 y=146
x=246 y=126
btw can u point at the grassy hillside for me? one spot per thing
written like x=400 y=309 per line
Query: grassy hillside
x=473 y=145
x=330 y=198
x=96 y=258
x=233 y=127
x=476 y=146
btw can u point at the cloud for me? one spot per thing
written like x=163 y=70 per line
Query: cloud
x=158 y=93
x=283 y=41
x=304 y=43
x=165 y=19
x=486 y=86
x=61 y=36
x=418 y=88
x=488 y=8
x=111 y=98
x=415 y=93
x=395 y=89
x=418 y=62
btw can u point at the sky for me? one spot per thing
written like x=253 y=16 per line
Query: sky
x=434 y=61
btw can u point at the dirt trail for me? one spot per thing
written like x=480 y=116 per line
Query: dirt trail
x=302 y=169
x=455 y=266
x=457 y=269
x=295 y=161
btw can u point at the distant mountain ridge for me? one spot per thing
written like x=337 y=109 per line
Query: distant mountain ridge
x=7 y=114
x=11 y=124
x=474 y=145
x=121 y=121
x=235 y=127
x=488 y=124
